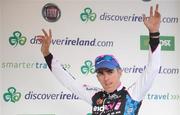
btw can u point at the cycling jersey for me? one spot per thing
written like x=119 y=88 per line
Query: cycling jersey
x=123 y=101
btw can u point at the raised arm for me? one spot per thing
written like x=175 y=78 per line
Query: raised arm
x=84 y=92
x=46 y=42
x=144 y=83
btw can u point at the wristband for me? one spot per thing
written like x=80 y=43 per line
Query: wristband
x=154 y=34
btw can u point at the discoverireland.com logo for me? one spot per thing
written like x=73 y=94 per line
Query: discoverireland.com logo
x=13 y=95
x=88 y=14
x=18 y=39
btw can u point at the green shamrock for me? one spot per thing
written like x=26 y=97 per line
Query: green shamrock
x=88 y=67
x=12 y=95
x=17 y=38
x=88 y=15
x=89 y=114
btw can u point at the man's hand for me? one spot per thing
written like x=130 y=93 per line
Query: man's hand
x=46 y=41
x=153 y=22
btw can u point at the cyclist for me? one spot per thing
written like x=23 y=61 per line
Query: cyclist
x=114 y=98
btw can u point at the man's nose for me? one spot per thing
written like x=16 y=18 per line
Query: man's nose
x=106 y=77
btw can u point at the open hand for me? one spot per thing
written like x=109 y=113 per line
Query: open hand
x=46 y=41
x=153 y=22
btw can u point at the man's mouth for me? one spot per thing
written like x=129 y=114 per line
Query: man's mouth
x=108 y=84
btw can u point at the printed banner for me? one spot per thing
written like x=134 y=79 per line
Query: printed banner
x=81 y=31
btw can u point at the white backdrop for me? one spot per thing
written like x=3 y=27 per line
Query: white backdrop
x=26 y=75
x=0 y=58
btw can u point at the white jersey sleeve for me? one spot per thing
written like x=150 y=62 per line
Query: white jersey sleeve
x=83 y=91
x=139 y=89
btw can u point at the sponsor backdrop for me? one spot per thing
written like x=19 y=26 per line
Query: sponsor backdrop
x=0 y=57
x=82 y=30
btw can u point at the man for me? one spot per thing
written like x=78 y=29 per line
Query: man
x=114 y=98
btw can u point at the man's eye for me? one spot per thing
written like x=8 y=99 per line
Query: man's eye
x=110 y=71
x=99 y=74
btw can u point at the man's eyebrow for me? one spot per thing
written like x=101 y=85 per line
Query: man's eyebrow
x=109 y=70
x=100 y=71
x=106 y=70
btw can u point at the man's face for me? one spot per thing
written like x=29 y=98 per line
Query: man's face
x=109 y=79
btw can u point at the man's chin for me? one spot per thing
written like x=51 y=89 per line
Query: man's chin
x=109 y=90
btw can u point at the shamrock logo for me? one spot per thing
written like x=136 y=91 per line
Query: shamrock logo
x=88 y=67
x=88 y=15
x=12 y=95
x=17 y=38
